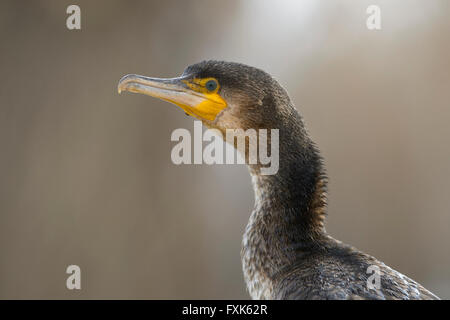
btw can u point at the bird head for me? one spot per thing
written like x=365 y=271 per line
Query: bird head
x=223 y=95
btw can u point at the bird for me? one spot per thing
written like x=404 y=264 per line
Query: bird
x=286 y=251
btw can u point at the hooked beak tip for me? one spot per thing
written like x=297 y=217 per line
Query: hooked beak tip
x=124 y=81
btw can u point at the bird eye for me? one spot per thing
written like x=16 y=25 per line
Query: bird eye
x=211 y=85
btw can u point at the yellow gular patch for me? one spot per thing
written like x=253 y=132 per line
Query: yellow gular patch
x=212 y=104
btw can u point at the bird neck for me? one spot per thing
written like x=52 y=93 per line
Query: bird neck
x=296 y=194
x=288 y=217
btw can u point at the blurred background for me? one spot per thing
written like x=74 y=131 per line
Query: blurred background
x=86 y=176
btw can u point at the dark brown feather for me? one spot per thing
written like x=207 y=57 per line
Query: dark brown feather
x=286 y=252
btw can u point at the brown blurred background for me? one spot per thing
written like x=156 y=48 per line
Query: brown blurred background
x=86 y=176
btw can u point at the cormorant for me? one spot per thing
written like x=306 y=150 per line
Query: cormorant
x=286 y=252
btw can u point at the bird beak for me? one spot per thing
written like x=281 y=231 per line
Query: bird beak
x=178 y=91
